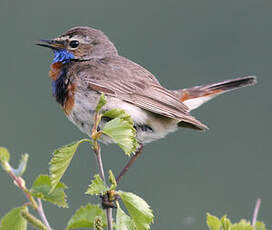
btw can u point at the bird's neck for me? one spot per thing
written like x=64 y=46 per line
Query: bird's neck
x=56 y=70
x=58 y=73
x=62 y=89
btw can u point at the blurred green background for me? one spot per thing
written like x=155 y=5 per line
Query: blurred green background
x=182 y=42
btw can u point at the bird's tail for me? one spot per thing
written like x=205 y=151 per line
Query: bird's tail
x=196 y=96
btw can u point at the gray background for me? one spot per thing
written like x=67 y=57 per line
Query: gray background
x=184 y=43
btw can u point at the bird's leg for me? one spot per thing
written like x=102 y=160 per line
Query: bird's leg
x=131 y=161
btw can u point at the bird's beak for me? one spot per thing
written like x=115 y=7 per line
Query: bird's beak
x=53 y=44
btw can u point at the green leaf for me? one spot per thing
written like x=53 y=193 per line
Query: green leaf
x=123 y=221
x=120 y=113
x=242 y=225
x=213 y=222
x=138 y=209
x=123 y=133
x=226 y=224
x=101 y=103
x=14 y=220
x=4 y=155
x=61 y=160
x=260 y=226
x=121 y=129
x=4 y=159
x=84 y=217
x=112 y=181
x=41 y=188
x=97 y=186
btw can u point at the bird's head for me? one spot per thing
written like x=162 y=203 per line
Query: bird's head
x=80 y=43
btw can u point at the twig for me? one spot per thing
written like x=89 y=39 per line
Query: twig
x=97 y=150
x=37 y=223
x=99 y=162
x=19 y=182
x=131 y=161
x=42 y=215
x=256 y=211
x=109 y=218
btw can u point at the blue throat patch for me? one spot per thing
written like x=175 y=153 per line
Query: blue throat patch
x=59 y=88
x=62 y=55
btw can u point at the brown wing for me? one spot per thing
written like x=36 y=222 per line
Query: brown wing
x=121 y=78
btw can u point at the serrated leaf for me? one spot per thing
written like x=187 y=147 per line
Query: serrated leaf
x=112 y=180
x=260 y=226
x=61 y=160
x=14 y=220
x=123 y=221
x=114 y=113
x=97 y=186
x=242 y=225
x=121 y=122
x=123 y=134
x=226 y=224
x=84 y=217
x=138 y=209
x=41 y=188
x=4 y=155
x=101 y=103
x=213 y=222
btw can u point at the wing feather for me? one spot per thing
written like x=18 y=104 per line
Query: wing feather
x=132 y=83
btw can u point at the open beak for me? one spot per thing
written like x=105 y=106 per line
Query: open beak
x=53 y=44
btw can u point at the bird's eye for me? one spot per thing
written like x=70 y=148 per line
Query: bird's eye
x=74 y=44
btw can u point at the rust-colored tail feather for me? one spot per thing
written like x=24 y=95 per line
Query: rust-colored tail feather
x=196 y=96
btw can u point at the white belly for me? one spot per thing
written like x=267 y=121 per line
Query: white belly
x=82 y=116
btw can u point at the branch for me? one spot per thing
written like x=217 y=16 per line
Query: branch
x=256 y=211
x=131 y=161
x=109 y=218
x=97 y=151
x=38 y=207
x=20 y=183
x=42 y=215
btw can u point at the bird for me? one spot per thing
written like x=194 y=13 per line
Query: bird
x=86 y=64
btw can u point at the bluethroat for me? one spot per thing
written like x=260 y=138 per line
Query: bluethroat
x=86 y=63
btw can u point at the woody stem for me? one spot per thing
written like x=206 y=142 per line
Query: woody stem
x=97 y=150
x=38 y=207
x=42 y=214
x=109 y=218
x=130 y=162
x=256 y=212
